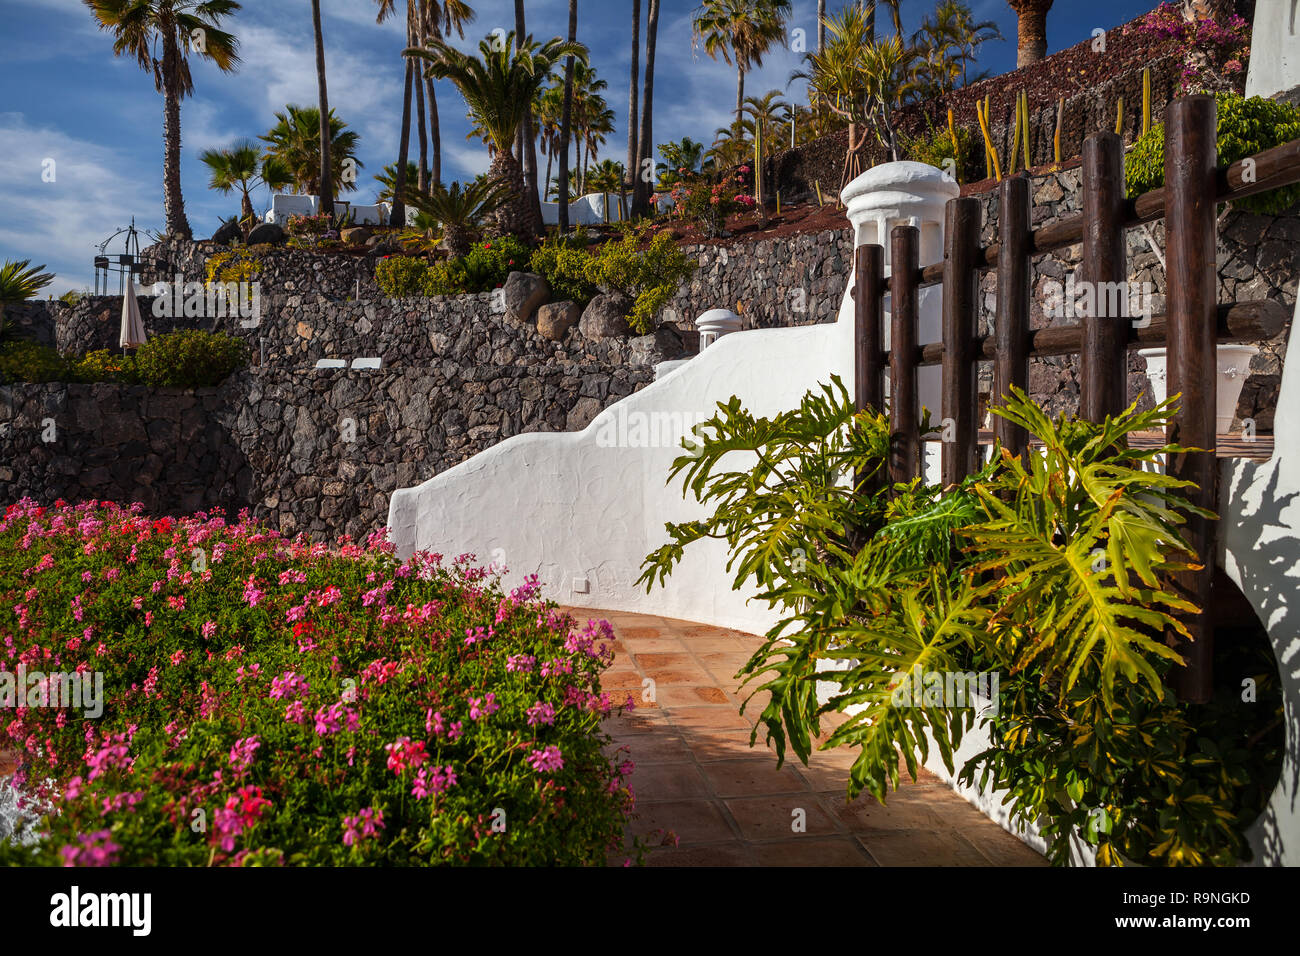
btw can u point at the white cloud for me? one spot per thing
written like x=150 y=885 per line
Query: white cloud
x=60 y=223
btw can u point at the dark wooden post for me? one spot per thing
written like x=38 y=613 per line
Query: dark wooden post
x=1012 y=320
x=1192 y=299
x=959 y=428
x=1103 y=363
x=869 y=327
x=904 y=403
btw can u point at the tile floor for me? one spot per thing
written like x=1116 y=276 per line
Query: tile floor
x=728 y=805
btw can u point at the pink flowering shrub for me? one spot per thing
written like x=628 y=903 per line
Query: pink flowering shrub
x=1215 y=52
x=699 y=197
x=268 y=701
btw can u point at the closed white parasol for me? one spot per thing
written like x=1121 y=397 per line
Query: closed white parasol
x=132 y=326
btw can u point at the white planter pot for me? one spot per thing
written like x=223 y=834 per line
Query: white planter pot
x=1234 y=366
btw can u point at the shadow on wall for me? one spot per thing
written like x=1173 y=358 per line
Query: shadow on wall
x=1274 y=563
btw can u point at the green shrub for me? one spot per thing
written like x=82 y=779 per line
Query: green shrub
x=936 y=149
x=401 y=277
x=651 y=276
x=25 y=361
x=490 y=263
x=564 y=268
x=235 y=265
x=1050 y=574
x=1245 y=127
x=446 y=278
x=190 y=358
x=104 y=366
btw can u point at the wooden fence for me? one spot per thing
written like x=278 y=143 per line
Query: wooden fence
x=1190 y=328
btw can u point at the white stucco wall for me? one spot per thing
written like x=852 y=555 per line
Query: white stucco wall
x=1274 y=48
x=569 y=507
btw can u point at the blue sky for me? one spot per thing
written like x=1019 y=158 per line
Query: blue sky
x=67 y=98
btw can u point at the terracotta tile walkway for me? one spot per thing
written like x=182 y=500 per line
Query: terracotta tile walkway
x=729 y=805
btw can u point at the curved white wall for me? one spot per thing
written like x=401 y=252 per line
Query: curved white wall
x=569 y=506
x=1259 y=504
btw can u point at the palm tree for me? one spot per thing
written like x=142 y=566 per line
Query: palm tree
x=630 y=166
x=326 y=178
x=527 y=137
x=833 y=79
x=459 y=211
x=243 y=167
x=566 y=121
x=895 y=14
x=18 y=283
x=548 y=108
x=587 y=108
x=954 y=28
x=439 y=20
x=606 y=177
x=821 y=24
x=766 y=114
x=641 y=188
x=295 y=140
x=684 y=155
x=887 y=68
x=389 y=180
x=498 y=86
x=597 y=124
x=1031 y=30
x=138 y=27
x=424 y=19
x=744 y=29
x=730 y=148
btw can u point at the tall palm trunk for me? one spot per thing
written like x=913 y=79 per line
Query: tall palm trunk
x=641 y=192
x=1031 y=30
x=821 y=24
x=403 y=151
x=550 y=155
x=173 y=202
x=527 y=141
x=566 y=120
x=629 y=173
x=435 y=134
x=740 y=92
x=423 y=134
x=515 y=218
x=326 y=173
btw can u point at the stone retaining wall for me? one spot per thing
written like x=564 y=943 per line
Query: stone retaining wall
x=313 y=451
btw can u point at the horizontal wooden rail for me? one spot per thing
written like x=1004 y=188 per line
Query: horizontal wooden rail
x=1273 y=168
x=1240 y=322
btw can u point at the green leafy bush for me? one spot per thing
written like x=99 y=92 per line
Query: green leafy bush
x=488 y=264
x=698 y=197
x=936 y=150
x=401 y=277
x=239 y=264
x=104 y=366
x=565 y=270
x=25 y=361
x=1048 y=574
x=191 y=358
x=651 y=276
x=1245 y=127
x=275 y=702
x=445 y=278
